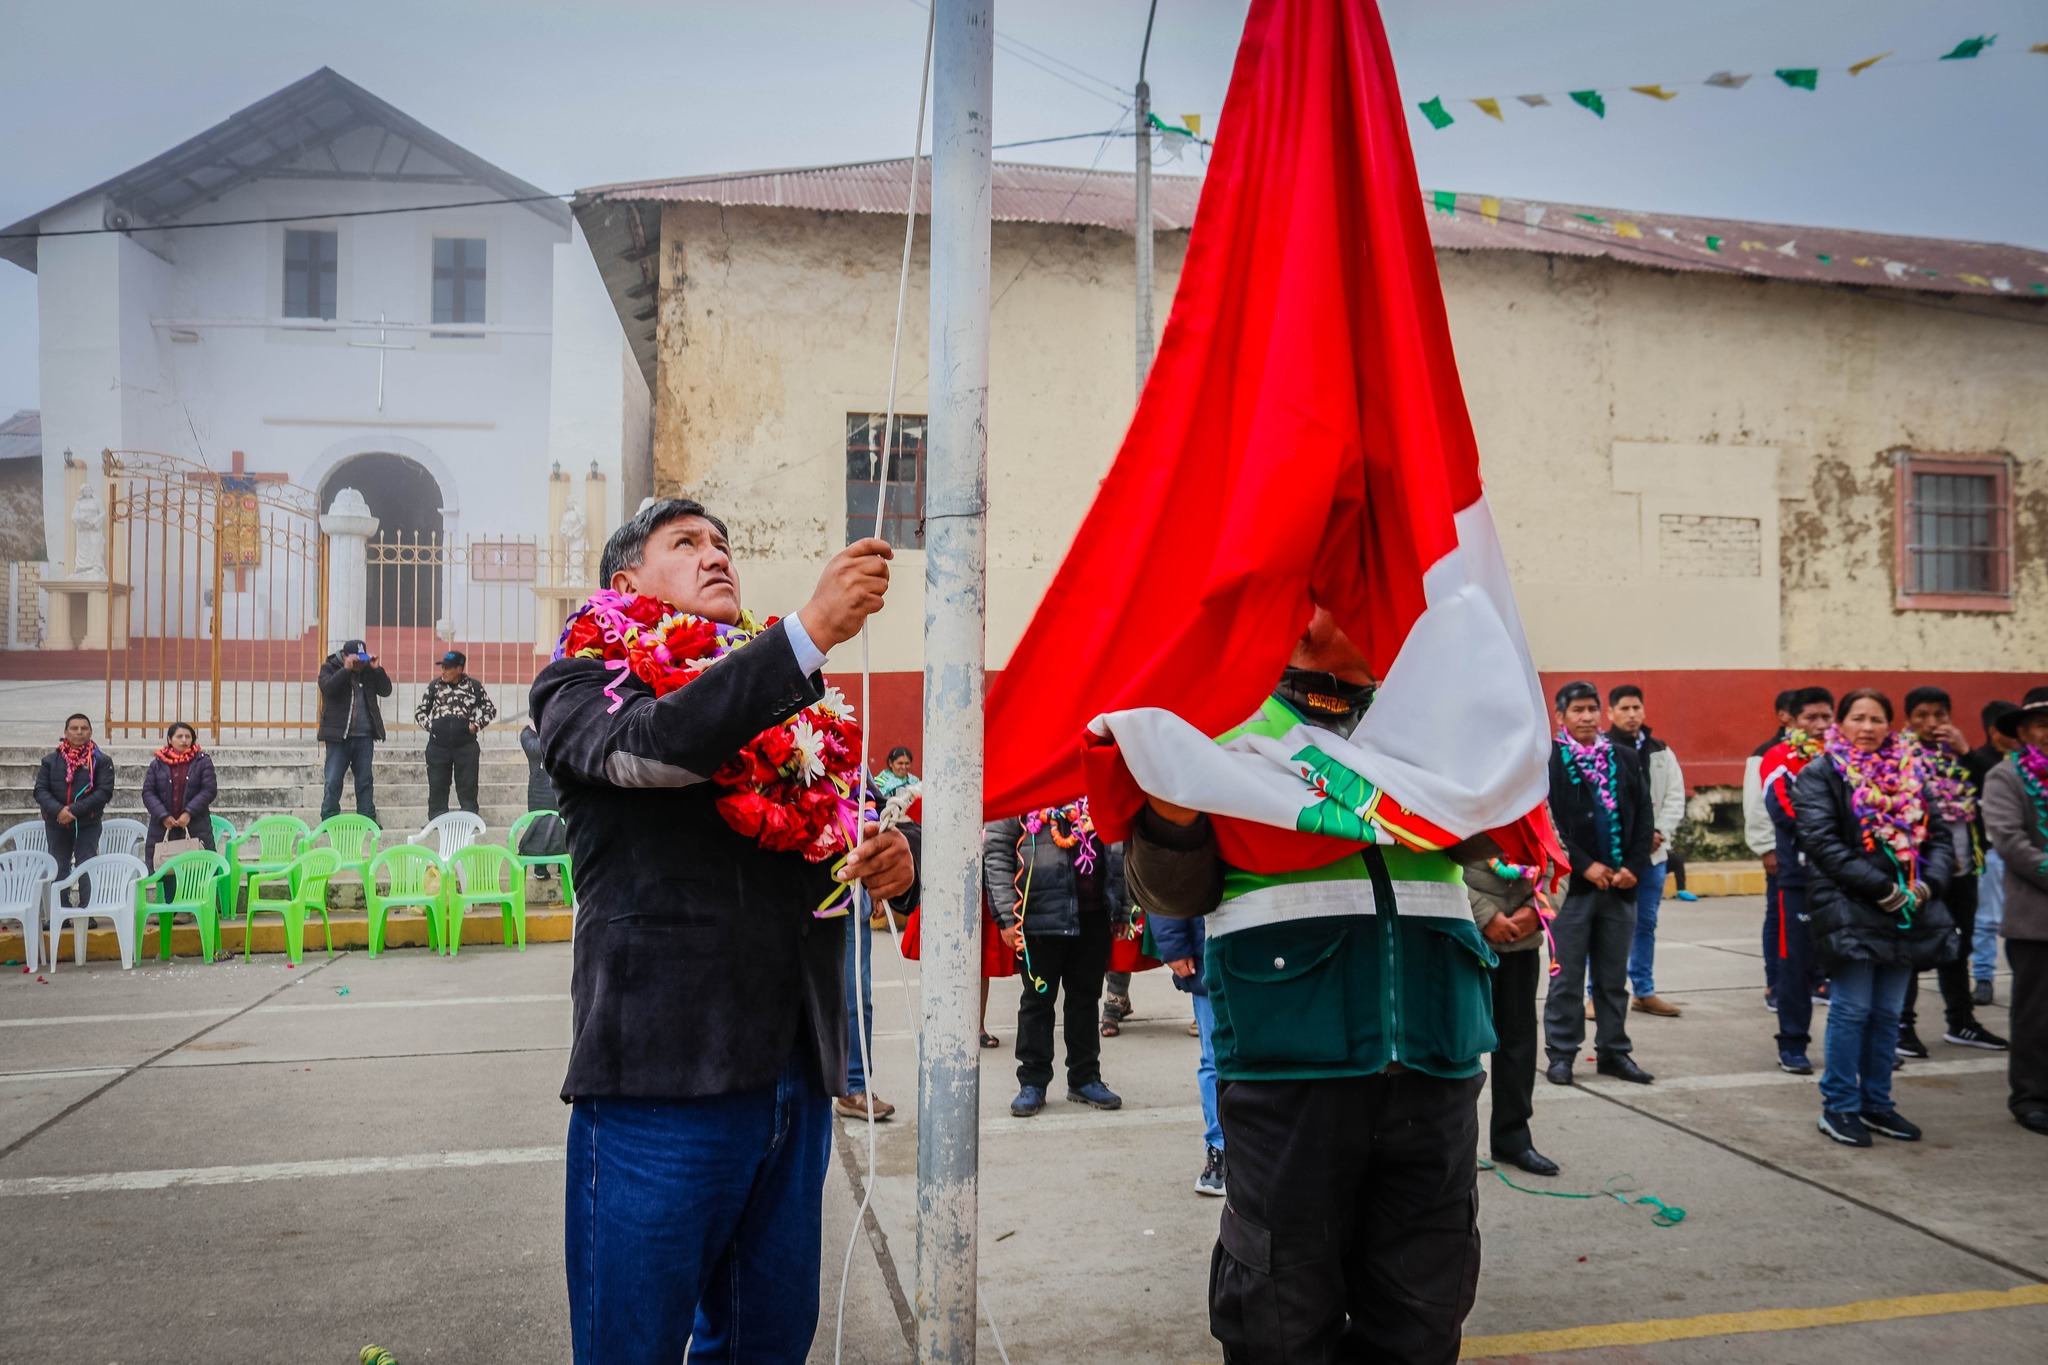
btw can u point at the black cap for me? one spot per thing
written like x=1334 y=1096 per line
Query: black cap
x=2035 y=703
x=353 y=647
x=454 y=658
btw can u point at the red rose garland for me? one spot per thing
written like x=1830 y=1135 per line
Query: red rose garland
x=790 y=788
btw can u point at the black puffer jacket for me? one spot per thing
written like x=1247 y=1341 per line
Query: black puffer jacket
x=1012 y=861
x=1849 y=881
x=348 y=700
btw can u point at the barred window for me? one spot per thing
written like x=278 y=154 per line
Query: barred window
x=311 y=266
x=1955 y=533
x=458 y=280
x=903 y=506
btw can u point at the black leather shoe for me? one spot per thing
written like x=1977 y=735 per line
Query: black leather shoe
x=2035 y=1121
x=1531 y=1160
x=1623 y=1067
x=1560 y=1072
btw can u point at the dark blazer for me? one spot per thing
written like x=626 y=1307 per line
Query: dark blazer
x=1848 y=881
x=201 y=786
x=699 y=965
x=1054 y=906
x=87 y=799
x=1575 y=808
x=345 y=692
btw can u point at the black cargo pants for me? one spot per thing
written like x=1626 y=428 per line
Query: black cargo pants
x=1351 y=1231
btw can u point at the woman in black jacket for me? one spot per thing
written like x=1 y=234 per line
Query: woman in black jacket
x=178 y=791
x=1880 y=860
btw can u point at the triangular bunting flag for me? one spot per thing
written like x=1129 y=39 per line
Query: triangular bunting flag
x=1490 y=108
x=1727 y=80
x=1535 y=101
x=1446 y=201
x=1627 y=230
x=1713 y=243
x=1789 y=249
x=1532 y=216
x=1193 y=122
x=1970 y=47
x=2041 y=48
x=1489 y=209
x=1433 y=110
x=1867 y=63
x=1590 y=99
x=1801 y=77
x=1655 y=92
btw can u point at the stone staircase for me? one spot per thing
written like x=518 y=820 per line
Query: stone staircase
x=283 y=777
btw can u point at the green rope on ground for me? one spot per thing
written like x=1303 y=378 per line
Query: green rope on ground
x=1665 y=1215
x=376 y=1355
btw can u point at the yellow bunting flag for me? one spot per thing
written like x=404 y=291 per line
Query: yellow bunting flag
x=1977 y=280
x=1867 y=63
x=1193 y=122
x=2039 y=47
x=1490 y=108
x=1627 y=230
x=1489 y=209
x=1655 y=92
x=1754 y=246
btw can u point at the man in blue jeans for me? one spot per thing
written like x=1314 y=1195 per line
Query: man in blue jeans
x=351 y=680
x=1179 y=944
x=708 y=1022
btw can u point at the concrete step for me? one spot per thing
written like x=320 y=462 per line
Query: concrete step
x=480 y=929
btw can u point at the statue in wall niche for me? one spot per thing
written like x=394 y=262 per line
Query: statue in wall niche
x=575 y=540
x=89 y=527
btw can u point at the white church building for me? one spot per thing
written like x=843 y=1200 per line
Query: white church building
x=317 y=294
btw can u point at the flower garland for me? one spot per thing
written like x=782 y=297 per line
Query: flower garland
x=1949 y=789
x=2032 y=765
x=1887 y=792
x=1807 y=747
x=1078 y=824
x=791 y=787
x=1596 y=762
x=177 y=757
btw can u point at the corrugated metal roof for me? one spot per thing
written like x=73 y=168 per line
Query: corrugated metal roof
x=21 y=436
x=1457 y=222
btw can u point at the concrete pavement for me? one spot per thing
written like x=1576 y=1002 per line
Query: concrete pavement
x=243 y=1163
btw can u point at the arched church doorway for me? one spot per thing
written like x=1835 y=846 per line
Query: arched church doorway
x=405 y=559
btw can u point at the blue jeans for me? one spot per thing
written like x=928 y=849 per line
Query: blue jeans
x=860 y=997
x=697 y=1222
x=1642 y=953
x=1205 y=1072
x=343 y=755
x=1990 y=916
x=1864 y=1000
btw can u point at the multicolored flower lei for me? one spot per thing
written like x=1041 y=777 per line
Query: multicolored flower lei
x=1596 y=762
x=1887 y=790
x=790 y=788
x=1808 y=747
x=1070 y=826
x=1949 y=788
x=2032 y=766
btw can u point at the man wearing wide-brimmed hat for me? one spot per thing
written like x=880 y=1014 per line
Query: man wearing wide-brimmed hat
x=2016 y=822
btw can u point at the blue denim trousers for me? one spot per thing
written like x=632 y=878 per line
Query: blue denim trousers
x=1990 y=916
x=697 y=1223
x=1642 y=953
x=1205 y=1071
x=1864 y=1000
x=860 y=996
x=343 y=755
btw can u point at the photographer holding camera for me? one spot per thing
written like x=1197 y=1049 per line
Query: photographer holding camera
x=454 y=711
x=351 y=680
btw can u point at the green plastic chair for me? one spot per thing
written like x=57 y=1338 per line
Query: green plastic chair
x=483 y=874
x=223 y=833
x=528 y=862
x=406 y=867
x=188 y=884
x=307 y=880
x=353 y=839
x=260 y=856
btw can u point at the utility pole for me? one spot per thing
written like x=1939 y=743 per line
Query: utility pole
x=1142 y=225
x=956 y=559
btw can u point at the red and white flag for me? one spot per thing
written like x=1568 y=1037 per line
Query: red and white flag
x=1302 y=440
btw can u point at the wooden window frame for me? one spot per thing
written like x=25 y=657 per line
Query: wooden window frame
x=904 y=531
x=1999 y=469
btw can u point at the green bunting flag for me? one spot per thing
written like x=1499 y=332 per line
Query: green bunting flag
x=1433 y=110
x=1970 y=47
x=1446 y=201
x=1800 y=77
x=1590 y=99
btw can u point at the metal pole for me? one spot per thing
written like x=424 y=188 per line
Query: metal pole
x=956 y=554
x=1141 y=224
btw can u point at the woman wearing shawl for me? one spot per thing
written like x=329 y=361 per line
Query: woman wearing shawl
x=178 y=791
x=1880 y=859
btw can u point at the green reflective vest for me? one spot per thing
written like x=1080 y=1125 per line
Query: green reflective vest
x=1344 y=969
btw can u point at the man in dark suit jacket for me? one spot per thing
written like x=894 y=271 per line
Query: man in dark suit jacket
x=1600 y=802
x=708 y=1020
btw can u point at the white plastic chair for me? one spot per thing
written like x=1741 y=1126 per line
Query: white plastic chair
x=114 y=877
x=29 y=834
x=123 y=836
x=456 y=830
x=23 y=874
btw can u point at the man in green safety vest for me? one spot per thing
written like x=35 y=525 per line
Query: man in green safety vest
x=1353 y=1005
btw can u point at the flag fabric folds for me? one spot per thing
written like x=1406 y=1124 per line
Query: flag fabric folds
x=1302 y=440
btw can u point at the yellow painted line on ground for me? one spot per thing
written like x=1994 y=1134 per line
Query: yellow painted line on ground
x=1760 y=1320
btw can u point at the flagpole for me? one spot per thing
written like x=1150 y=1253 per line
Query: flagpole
x=1141 y=224
x=956 y=553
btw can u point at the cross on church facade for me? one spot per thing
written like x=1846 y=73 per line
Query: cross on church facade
x=382 y=345
x=238 y=516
